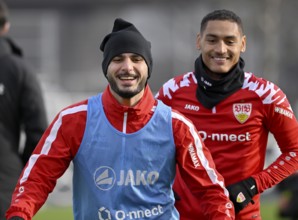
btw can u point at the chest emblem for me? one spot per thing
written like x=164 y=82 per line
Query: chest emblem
x=242 y=111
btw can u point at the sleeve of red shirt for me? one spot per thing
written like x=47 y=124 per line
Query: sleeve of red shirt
x=282 y=123
x=197 y=169
x=49 y=161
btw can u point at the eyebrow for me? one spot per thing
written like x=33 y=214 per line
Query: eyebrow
x=216 y=36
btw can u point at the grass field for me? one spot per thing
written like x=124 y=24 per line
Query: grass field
x=54 y=213
x=269 y=212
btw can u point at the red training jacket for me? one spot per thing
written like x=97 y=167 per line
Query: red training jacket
x=236 y=132
x=62 y=139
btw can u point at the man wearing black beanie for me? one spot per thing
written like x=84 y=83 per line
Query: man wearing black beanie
x=125 y=38
x=125 y=146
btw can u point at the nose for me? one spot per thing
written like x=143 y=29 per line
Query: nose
x=127 y=65
x=221 y=47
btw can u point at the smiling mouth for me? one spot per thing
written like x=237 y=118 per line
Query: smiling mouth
x=127 y=77
x=220 y=58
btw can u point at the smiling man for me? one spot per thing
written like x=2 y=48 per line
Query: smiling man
x=124 y=145
x=234 y=111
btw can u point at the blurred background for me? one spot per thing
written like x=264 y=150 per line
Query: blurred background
x=61 y=39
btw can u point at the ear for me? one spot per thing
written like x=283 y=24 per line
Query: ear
x=198 y=44
x=243 y=44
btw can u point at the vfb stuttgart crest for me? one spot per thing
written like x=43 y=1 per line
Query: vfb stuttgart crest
x=242 y=111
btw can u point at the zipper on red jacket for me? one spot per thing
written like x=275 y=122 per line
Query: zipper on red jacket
x=214 y=110
x=124 y=122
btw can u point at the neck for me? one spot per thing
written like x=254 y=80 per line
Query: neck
x=214 y=75
x=129 y=102
x=213 y=88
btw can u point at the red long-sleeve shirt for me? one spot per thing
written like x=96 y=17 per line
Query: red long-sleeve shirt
x=236 y=132
x=62 y=140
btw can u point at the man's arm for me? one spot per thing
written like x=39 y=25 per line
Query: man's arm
x=281 y=122
x=198 y=171
x=48 y=162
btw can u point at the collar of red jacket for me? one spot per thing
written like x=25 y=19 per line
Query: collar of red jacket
x=113 y=108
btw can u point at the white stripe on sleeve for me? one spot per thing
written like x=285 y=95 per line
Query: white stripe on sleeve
x=198 y=144
x=50 y=139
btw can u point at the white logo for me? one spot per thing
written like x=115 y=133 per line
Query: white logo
x=225 y=137
x=206 y=82
x=105 y=178
x=284 y=112
x=193 y=156
x=139 y=214
x=192 y=107
x=104 y=214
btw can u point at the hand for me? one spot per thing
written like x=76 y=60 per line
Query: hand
x=241 y=193
x=16 y=218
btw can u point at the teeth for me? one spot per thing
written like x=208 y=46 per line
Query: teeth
x=219 y=58
x=126 y=78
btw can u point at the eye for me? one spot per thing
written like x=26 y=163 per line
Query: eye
x=117 y=59
x=211 y=40
x=230 y=42
x=137 y=58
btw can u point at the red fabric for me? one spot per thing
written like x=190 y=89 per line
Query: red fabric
x=236 y=132
x=62 y=139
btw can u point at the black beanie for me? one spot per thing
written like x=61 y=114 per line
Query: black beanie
x=125 y=38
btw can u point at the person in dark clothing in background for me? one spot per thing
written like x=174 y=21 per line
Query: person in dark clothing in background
x=21 y=110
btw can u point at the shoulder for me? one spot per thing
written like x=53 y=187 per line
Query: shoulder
x=182 y=80
x=254 y=83
x=13 y=63
x=80 y=106
x=70 y=121
x=267 y=91
x=74 y=111
x=176 y=84
x=179 y=120
x=177 y=117
x=18 y=70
